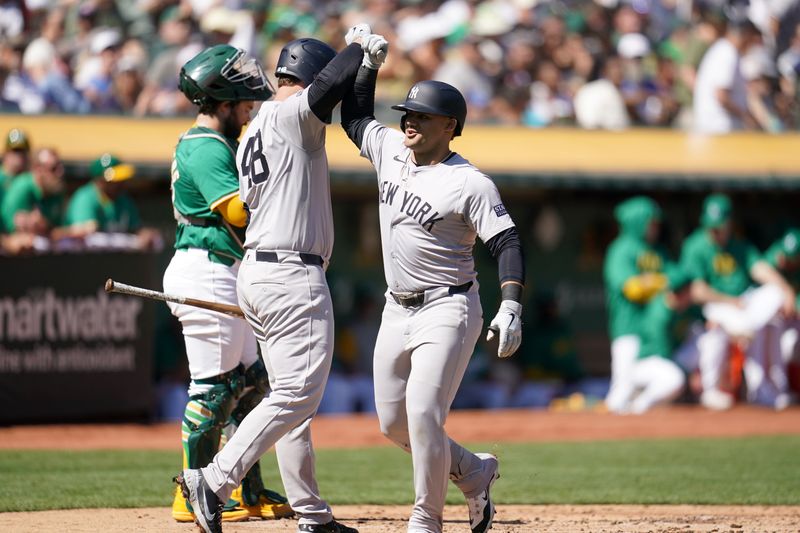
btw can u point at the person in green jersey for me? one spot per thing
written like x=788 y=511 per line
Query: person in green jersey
x=16 y=158
x=632 y=273
x=103 y=207
x=784 y=256
x=657 y=378
x=228 y=377
x=34 y=203
x=739 y=293
x=15 y=161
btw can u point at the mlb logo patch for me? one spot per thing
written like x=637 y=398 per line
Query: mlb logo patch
x=500 y=210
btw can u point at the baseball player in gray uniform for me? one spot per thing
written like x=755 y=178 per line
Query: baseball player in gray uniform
x=228 y=376
x=284 y=181
x=432 y=205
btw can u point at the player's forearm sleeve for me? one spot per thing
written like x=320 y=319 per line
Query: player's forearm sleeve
x=507 y=249
x=334 y=81
x=358 y=105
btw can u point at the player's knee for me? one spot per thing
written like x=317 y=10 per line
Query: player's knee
x=393 y=426
x=425 y=416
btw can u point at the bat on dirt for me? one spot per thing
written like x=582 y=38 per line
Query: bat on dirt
x=122 y=288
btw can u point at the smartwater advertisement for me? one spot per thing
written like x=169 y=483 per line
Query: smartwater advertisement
x=69 y=351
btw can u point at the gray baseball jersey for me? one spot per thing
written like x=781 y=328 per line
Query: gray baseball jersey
x=283 y=179
x=430 y=215
x=288 y=198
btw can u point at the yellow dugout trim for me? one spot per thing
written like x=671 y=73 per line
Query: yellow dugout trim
x=493 y=149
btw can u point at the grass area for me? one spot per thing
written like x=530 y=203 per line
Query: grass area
x=752 y=470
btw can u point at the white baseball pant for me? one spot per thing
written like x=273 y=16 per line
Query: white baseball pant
x=658 y=381
x=215 y=343
x=760 y=306
x=421 y=354
x=289 y=307
x=624 y=351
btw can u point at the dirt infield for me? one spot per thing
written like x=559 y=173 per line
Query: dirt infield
x=391 y=519
x=505 y=426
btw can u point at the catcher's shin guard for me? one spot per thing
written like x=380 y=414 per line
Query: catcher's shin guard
x=203 y=419
x=251 y=494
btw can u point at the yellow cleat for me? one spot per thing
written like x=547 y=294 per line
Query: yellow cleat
x=182 y=511
x=270 y=506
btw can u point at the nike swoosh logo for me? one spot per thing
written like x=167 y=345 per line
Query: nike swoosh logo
x=512 y=320
x=209 y=517
x=398 y=159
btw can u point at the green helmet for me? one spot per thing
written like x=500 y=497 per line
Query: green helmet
x=225 y=74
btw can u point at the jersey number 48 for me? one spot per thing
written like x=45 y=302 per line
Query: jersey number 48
x=253 y=158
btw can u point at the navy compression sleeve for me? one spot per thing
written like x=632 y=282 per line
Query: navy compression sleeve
x=334 y=81
x=507 y=249
x=358 y=105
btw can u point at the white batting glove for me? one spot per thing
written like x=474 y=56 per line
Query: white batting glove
x=359 y=30
x=375 y=49
x=508 y=324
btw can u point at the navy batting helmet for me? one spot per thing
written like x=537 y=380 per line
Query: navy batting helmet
x=304 y=59
x=436 y=98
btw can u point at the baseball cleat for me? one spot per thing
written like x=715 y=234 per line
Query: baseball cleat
x=206 y=504
x=481 y=507
x=183 y=512
x=716 y=400
x=331 y=527
x=270 y=506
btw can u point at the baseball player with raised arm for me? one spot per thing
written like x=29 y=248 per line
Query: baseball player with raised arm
x=284 y=181
x=433 y=204
x=228 y=376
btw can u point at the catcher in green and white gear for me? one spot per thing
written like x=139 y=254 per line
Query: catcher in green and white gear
x=228 y=376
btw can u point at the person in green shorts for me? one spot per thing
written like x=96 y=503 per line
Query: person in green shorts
x=228 y=376
x=16 y=158
x=102 y=206
x=34 y=203
x=739 y=293
x=632 y=272
x=784 y=256
x=657 y=378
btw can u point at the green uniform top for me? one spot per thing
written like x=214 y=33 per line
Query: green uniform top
x=662 y=329
x=726 y=269
x=792 y=276
x=6 y=180
x=204 y=175
x=25 y=195
x=629 y=255
x=117 y=215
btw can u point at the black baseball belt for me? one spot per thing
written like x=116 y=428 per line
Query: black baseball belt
x=415 y=299
x=272 y=257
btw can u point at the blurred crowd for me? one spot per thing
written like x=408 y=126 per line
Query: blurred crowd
x=37 y=216
x=709 y=65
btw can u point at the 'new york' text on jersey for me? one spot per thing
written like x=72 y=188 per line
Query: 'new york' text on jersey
x=431 y=215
